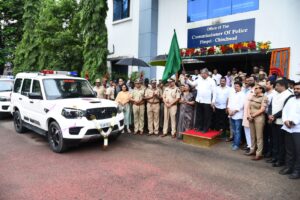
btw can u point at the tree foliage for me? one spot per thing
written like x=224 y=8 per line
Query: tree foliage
x=27 y=52
x=11 y=25
x=63 y=35
x=92 y=23
x=59 y=38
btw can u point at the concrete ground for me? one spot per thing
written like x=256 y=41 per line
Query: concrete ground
x=133 y=167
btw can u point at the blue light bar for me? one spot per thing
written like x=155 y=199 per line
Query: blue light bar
x=73 y=73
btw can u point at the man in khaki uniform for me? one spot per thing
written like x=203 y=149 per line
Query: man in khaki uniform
x=171 y=96
x=153 y=95
x=100 y=89
x=137 y=98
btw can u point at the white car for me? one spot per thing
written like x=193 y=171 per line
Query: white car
x=63 y=108
x=6 y=85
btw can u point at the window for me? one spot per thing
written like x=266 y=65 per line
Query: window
x=218 y=8
x=121 y=9
x=280 y=62
x=17 y=85
x=36 y=87
x=6 y=86
x=207 y=9
x=26 y=87
x=67 y=88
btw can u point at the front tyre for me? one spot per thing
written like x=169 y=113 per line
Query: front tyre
x=55 y=138
x=18 y=122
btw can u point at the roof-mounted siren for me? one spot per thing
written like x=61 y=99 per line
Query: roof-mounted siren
x=7 y=77
x=72 y=73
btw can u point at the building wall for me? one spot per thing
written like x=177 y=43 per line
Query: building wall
x=124 y=33
x=276 y=21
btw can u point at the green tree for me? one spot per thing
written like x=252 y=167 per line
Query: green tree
x=58 y=35
x=27 y=52
x=11 y=25
x=93 y=15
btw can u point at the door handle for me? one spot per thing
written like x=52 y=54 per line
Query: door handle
x=20 y=98
x=30 y=101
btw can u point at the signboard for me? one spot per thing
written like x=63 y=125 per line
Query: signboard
x=220 y=34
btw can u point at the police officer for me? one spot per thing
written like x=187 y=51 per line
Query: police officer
x=153 y=95
x=137 y=99
x=171 y=96
x=100 y=89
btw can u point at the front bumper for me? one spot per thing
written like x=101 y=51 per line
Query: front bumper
x=85 y=129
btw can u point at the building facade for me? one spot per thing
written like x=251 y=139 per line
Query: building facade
x=144 y=29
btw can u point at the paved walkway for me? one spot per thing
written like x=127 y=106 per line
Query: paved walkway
x=133 y=167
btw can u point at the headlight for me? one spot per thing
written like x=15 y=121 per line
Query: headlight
x=4 y=98
x=72 y=113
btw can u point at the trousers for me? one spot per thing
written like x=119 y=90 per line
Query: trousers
x=138 y=115
x=292 y=147
x=257 y=130
x=204 y=114
x=153 y=118
x=170 y=113
x=278 y=143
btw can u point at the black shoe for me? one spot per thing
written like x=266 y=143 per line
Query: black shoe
x=277 y=164
x=295 y=175
x=268 y=155
x=246 y=148
x=285 y=171
x=271 y=160
x=247 y=151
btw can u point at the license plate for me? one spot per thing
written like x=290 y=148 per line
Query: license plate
x=105 y=125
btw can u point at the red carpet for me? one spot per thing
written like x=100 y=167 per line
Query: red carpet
x=209 y=135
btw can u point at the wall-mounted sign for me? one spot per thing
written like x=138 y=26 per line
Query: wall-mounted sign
x=220 y=34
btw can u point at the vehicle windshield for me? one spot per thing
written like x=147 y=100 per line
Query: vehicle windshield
x=67 y=88
x=6 y=85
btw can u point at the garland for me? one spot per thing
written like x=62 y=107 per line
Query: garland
x=103 y=133
x=227 y=49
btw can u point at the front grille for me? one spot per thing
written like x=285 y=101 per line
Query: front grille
x=101 y=113
x=96 y=132
x=5 y=107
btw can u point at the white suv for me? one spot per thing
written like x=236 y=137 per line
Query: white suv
x=6 y=85
x=63 y=108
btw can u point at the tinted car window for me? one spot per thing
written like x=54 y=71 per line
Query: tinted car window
x=17 y=85
x=26 y=87
x=6 y=85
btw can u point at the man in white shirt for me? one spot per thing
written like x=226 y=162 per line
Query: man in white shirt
x=249 y=92
x=216 y=77
x=275 y=114
x=220 y=118
x=205 y=99
x=291 y=127
x=235 y=110
x=270 y=92
x=196 y=75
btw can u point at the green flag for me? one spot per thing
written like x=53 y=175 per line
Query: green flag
x=173 y=64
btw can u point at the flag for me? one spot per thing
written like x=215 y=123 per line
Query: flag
x=173 y=64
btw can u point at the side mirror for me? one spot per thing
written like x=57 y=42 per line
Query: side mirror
x=35 y=96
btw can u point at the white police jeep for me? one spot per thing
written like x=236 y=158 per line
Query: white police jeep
x=63 y=108
x=6 y=85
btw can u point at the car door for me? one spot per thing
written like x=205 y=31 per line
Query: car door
x=24 y=105
x=36 y=114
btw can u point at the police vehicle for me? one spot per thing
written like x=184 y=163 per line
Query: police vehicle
x=6 y=85
x=63 y=108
